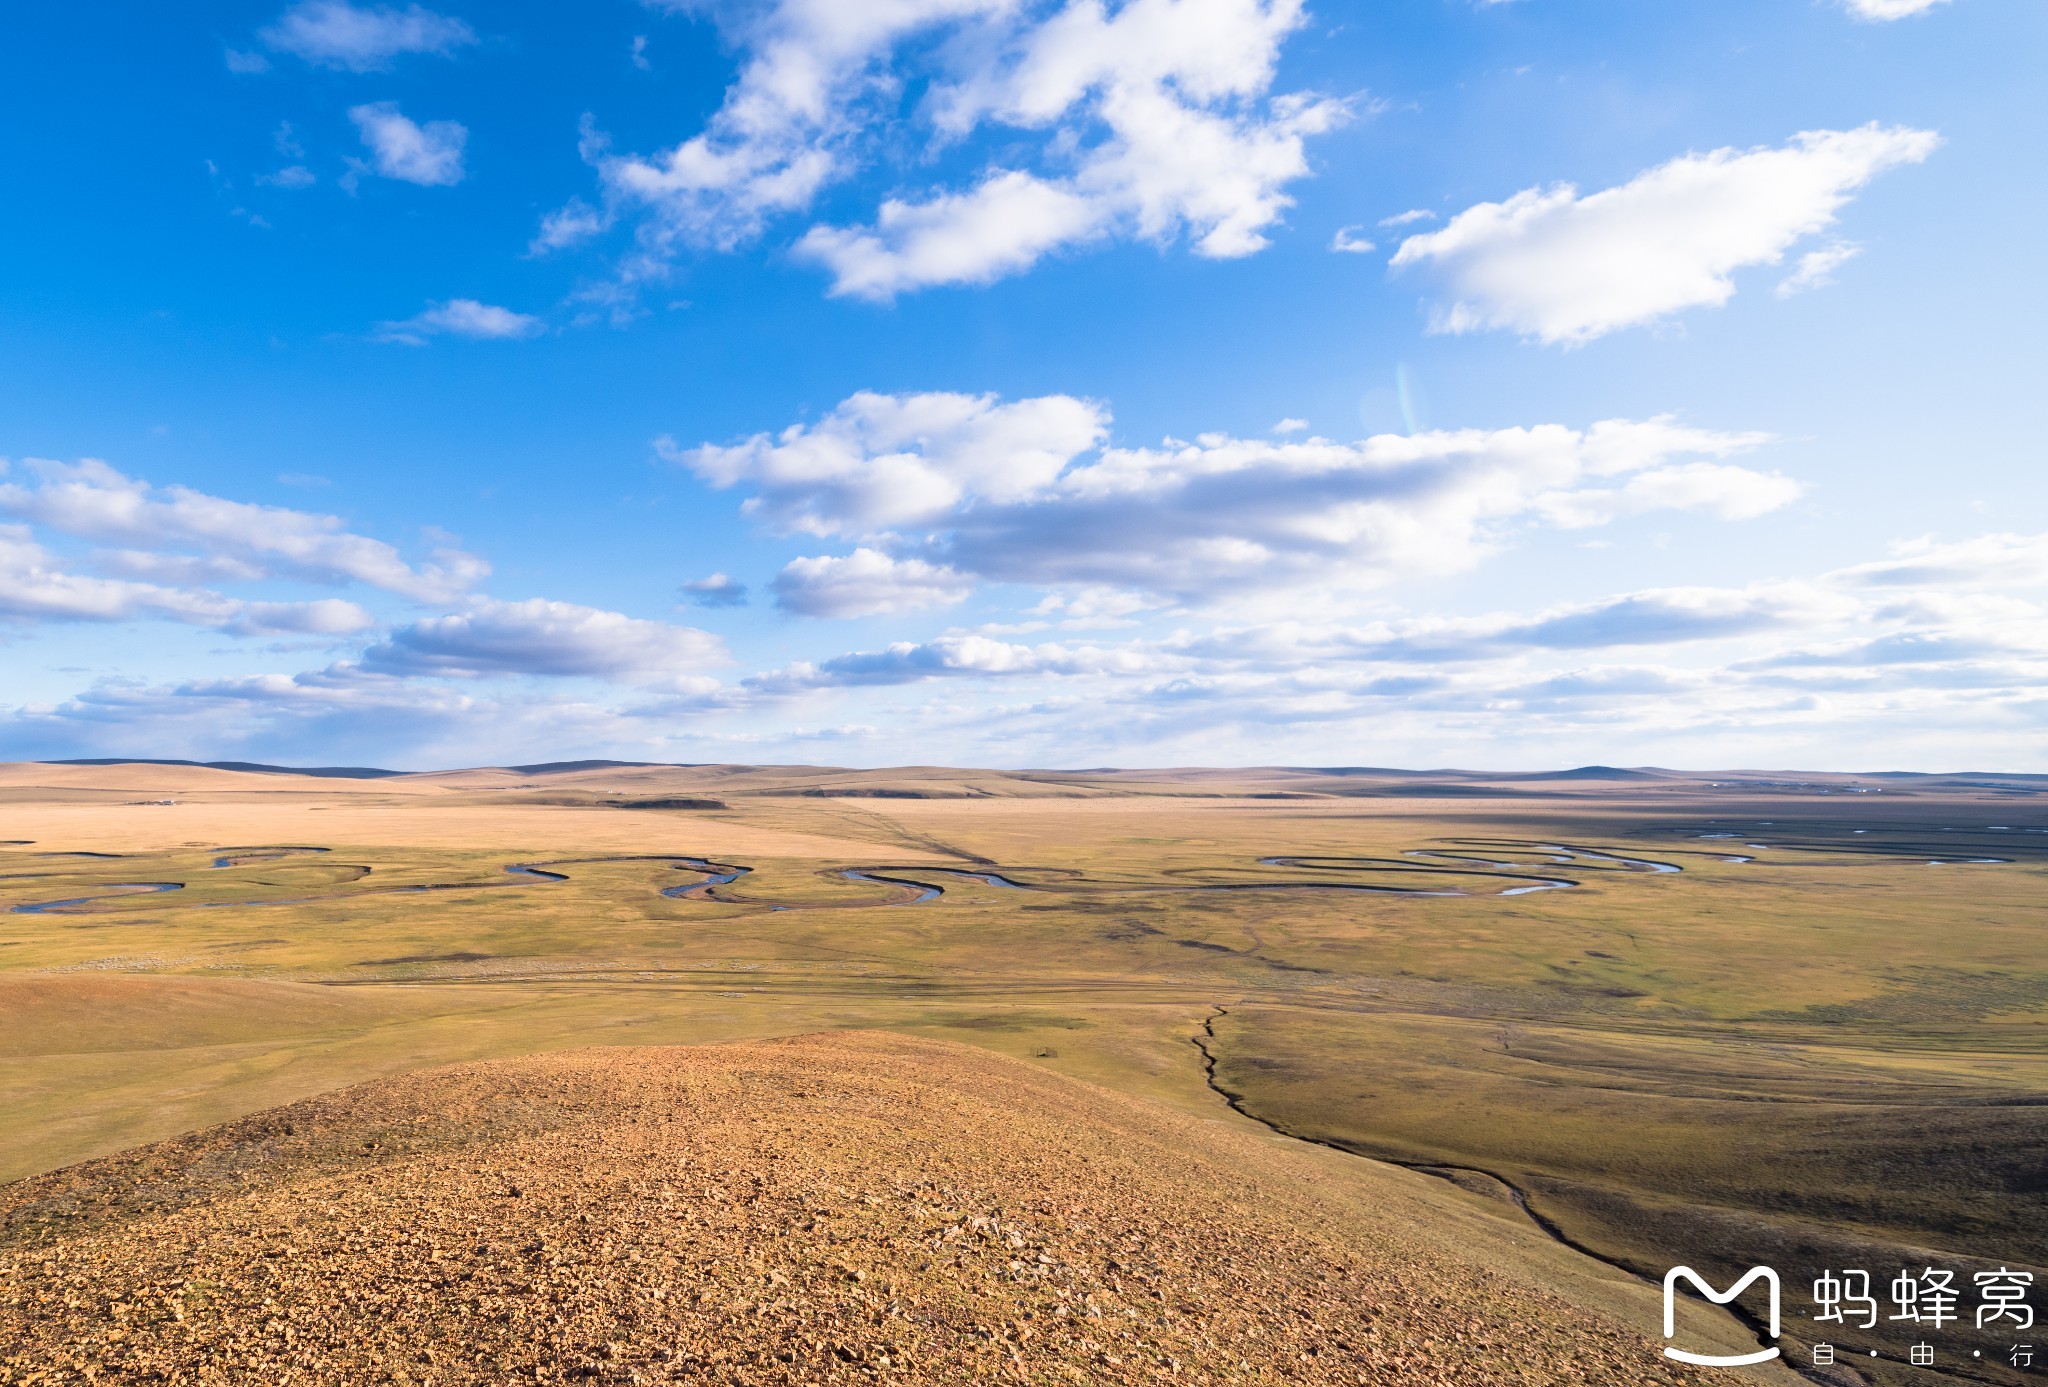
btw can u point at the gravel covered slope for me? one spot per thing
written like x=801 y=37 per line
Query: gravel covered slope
x=844 y=1207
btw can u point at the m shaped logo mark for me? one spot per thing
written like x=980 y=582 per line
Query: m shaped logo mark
x=1712 y=1360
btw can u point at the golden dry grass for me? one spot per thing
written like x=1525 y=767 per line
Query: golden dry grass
x=1835 y=1047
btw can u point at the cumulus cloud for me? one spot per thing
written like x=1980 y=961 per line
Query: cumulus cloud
x=359 y=38
x=1155 y=121
x=1555 y=266
x=866 y=582
x=717 y=590
x=1024 y=492
x=555 y=639
x=976 y=237
x=460 y=318
x=33 y=587
x=93 y=501
x=877 y=461
x=429 y=155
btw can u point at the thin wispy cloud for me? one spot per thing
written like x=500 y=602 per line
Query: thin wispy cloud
x=1816 y=269
x=1559 y=267
x=362 y=38
x=460 y=318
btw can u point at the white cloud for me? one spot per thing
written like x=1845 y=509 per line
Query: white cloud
x=909 y=662
x=1731 y=493
x=1291 y=425
x=429 y=155
x=784 y=127
x=1786 y=672
x=183 y=570
x=999 y=228
x=1902 y=648
x=460 y=318
x=1024 y=492
x=1882 y=10
x=1409 y=217
x=1816 y=269
x=34 y=588
x=716 y=590
x=93 y=501
x=292 y=176
x=1555 y=266
x=557 y=639
x=334 y=33
x=1655 y=616
x=566 y=226
x=866 y=583
x=330 y=616
x=1995 y=560
x=1348 y=241
x=878 y=461
x=1750 y=662
x=1154 y=122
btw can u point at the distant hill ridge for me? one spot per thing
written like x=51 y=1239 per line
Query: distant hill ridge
x=1776 y=778
x=252 y=767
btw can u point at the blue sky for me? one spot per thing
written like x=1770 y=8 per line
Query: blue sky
x=1175 y=381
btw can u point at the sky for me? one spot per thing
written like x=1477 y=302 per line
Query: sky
x=1505 y=385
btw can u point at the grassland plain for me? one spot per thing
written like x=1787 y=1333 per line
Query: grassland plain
x=1660 y=1018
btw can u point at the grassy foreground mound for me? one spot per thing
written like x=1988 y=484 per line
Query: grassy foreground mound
x=840 y=1207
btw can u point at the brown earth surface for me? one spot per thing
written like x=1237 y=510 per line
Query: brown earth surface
x=840 y=1207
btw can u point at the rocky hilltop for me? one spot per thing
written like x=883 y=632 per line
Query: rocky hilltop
x=831 y=1208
